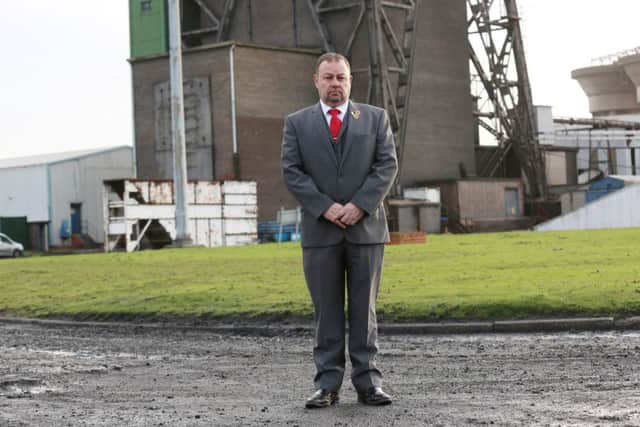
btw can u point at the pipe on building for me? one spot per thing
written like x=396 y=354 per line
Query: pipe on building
x=598 y=123
x=49 y=237
x=133 y=123
x=234 y=129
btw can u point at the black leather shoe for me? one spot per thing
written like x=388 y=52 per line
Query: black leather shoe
x=322 y=399
x=375 y=397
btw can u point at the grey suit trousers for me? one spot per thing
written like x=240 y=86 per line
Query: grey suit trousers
x=326 y=269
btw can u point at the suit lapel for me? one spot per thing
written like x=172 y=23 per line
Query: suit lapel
x=349 y=125
x=345 y=122
x=322 y=130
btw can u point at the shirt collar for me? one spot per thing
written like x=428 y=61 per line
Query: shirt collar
x=342 y=108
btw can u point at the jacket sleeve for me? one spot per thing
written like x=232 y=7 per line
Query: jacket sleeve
x=383 y=169
x=299 y=183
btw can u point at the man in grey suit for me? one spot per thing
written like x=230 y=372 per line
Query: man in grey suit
x=339 y=162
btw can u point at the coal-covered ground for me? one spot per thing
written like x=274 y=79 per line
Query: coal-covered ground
x=52 y=375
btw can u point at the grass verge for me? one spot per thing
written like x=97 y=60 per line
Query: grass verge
x=453 y=277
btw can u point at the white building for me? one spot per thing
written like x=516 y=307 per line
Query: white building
x=617 y=209
x=603 y=145
x=62 y=190
x=612 y=87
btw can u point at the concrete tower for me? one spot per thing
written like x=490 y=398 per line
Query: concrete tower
x=613 y=86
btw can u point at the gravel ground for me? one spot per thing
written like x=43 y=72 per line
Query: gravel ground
x=127 y=375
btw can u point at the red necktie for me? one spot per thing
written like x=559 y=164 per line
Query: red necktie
x=335 y=123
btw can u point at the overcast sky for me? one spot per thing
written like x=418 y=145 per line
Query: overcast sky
x=65 y=83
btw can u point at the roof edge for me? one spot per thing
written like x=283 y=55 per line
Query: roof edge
x=226 y=44
x=68 y=159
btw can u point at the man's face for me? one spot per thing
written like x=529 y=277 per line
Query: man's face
x=333 y=82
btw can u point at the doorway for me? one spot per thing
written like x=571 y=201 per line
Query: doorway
x=76 y=218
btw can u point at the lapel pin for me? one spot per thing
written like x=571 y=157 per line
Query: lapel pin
x=356 y=114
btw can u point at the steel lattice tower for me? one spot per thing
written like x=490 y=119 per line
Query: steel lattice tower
x=505 y=106
x=389 y=70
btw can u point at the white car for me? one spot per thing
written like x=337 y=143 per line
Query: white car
x=10 y=248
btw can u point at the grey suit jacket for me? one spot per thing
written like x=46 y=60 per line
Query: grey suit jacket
x=317 y=177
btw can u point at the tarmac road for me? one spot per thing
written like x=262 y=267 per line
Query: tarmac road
x=127 y=375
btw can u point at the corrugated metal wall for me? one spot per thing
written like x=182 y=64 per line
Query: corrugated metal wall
x=24 y=192
x=79 y=181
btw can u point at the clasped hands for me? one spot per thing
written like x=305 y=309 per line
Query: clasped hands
x=343 y=216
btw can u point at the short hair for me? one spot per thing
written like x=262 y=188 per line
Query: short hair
x=332 y=57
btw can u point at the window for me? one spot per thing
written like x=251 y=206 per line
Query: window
x=145 y=5
x=511 y=202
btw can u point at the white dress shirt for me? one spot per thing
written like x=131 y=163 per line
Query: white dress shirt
x=325 y=110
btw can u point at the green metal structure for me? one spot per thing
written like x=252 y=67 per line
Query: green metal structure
x=148 y=29
x=16 y=228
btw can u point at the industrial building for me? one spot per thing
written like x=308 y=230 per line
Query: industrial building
x=614 y=207
x=612 y=85
x=246 y=64
x=609 y=143
x=602 y=152
x=57 y=197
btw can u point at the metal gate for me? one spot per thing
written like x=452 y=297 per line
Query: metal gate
x=16 y=228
